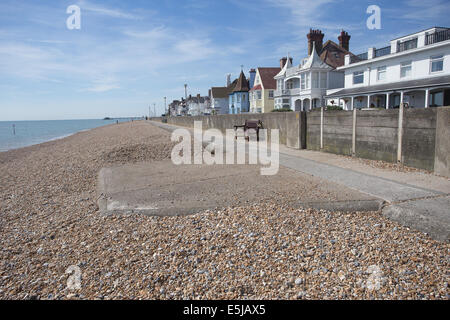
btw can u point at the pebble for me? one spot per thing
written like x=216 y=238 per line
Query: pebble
x=155 y=257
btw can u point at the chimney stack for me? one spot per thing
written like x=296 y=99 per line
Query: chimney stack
x=344 y=40
x=228 y=79
x=283 y=62
x=315 y=36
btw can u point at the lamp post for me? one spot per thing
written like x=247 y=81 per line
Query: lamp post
x=165 y=106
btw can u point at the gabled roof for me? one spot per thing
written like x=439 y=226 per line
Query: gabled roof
x=242 y=84
x=257 y=87
x=333 y=54
x=219 y=92
x=267 y=77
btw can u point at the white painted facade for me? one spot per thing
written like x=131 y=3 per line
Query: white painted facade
x=424 y=57
x=303 y=87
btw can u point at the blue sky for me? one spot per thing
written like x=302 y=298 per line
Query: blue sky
x=130 y=54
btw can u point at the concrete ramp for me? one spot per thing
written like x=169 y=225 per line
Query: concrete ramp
x=163 y=189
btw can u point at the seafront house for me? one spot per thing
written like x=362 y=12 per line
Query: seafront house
x=413 y=70
x=303 y=87
x=198 y=106
x=239 y=94
x=219 y=100
x=262 y=92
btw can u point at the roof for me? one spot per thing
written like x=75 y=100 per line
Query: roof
x=411 y=34
x=257 y=87
x=333 y=54
x=287 y=65
x=267 y=77
x=219 y=92
x=242 y=84
x=314 y=61
x=401 y=85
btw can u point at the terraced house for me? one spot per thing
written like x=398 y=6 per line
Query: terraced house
x=413 y=70
x=262 y=93
x=303 y=87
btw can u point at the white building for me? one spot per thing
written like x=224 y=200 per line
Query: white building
x=304 y=87
x=413 y=69
x=198 y=106
x=219 y=100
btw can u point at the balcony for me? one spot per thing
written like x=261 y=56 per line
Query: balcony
x=437 y=37
x=407 y=45
x=287 y=92
x=382 y=52
x=359 y=58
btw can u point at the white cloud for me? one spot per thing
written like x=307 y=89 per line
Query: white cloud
x=113 y=13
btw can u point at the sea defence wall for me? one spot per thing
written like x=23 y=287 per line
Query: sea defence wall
x=417 y=138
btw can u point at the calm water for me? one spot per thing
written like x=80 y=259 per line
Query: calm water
x=34 y=132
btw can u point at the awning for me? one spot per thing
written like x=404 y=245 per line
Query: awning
x=397 y=86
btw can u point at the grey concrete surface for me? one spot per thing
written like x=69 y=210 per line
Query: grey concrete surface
x=413 y=199
x=427 y=215
x=442 y=159
x=161 y=188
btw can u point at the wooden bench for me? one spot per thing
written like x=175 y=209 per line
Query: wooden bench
x=249 y=124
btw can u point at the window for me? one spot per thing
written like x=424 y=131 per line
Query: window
x=405 y=69
x=270 y=94
x=315 y=80
x=358 y=77
x=307 y=81
x=437 y=63
x=238 y=98
x=244 y=97
x=323 y=79
x=259 y=94
x=381 y=73
x=303 y=81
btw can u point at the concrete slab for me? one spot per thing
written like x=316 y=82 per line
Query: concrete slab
x=161 y=188
x=428 y=215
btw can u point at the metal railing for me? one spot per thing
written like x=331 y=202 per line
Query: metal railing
x=437 y=37
x=359 y=57
x=382 y=52
x=407 y=45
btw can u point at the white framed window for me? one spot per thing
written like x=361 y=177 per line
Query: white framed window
x=437 y=64
x=259 y=94
x=405 y=69
x=303 y=81
x=238 y=98
x=358 y=77
x=308 y=77
x=381 y=73
x=270 y=94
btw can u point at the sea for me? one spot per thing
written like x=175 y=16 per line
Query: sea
x=19 y=134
